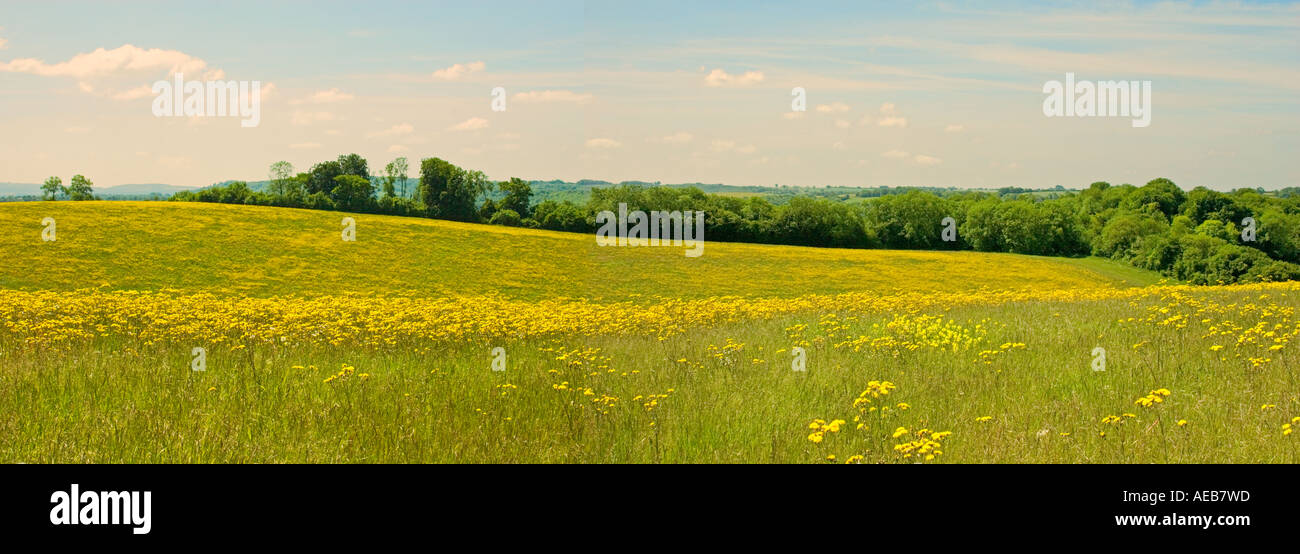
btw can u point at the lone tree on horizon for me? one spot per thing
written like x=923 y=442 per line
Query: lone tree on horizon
x=81 y=188
x=52 y=188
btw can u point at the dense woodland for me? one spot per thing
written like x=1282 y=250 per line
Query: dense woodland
x=1199 y=236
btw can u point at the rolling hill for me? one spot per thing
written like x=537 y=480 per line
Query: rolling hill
x=260 y=251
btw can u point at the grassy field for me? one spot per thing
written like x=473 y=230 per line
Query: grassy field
x=259 y=251
x=382 y=350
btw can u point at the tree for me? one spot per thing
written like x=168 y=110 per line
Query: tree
x=321 y=177
x=509 y=218
x=561 y=216
x=351 y=193
x=518 y=194
x=396 y=175
x=450 y=192
x=52 y=188
x=81 y=188
x=1163 y=193
x=281 y=178
x=353 y=164
x=911 y=220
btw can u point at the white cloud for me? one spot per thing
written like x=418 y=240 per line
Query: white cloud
x=77 y=130
x=456 y=71
x=471 y=124
x=603 y=143
x=3 y=41
x=792 y=115
x=720 y=78
x=890 y=117
x=895 y=154
x=954 y=128
x=843 y=124
x=304 y=145
x=397 y=149
x=539 y=96
x=395 y=130
x=833 y=107
x=680 y=137
x=301 y=117
x=123 y=59
x=324 y=97
x=926 y=160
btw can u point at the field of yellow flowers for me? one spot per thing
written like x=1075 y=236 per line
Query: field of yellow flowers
x=969 y=364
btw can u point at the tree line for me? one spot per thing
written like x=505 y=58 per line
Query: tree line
x=80 y=188
x=1193 y=236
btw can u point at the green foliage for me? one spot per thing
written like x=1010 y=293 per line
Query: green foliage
x=395 y=177
x=282 y=180
x=354 y=164
x=451 y=192
x=1161 y=193
x=518 y=194
x=507 y=217
x=81 y=188
x=53 y=188
x=910 y=220
x=321 y=177
x=351 y=193
x=561 y=216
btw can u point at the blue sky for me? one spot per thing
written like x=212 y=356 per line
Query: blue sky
x=925 y=93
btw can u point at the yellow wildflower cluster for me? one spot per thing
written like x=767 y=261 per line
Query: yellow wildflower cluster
x=987 y=357
x=927 y=443
x=1152 y=398
x=345 y=373
x=820 y=427
x=46 y=318
x=1255 y=330
x=1287 y=428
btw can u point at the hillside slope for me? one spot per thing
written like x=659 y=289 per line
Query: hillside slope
x=260 y=251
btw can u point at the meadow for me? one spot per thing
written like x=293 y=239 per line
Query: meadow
x=382 y=350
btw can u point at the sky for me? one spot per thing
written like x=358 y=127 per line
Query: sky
x=922 y=94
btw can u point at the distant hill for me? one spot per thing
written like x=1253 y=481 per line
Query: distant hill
x=145 y=189
x=132 y=190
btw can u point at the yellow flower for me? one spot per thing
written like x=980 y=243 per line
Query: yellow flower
x=900 y=432
x=1182 y=423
